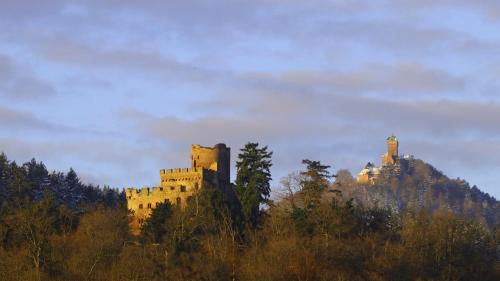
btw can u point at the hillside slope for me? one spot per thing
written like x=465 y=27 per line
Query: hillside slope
x=418 y=185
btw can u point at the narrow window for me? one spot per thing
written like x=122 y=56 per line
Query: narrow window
x=183 y=188
x=172 y=188
x=178 y=200
x=140 y=206
x=149 y=205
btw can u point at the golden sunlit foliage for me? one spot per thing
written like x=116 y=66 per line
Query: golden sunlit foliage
x=301 y=236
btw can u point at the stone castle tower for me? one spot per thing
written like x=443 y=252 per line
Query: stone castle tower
x=210 y=167
x=216 y=159
x=391 y=156
x=390 y=159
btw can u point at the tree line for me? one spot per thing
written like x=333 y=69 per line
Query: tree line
x=53 y=227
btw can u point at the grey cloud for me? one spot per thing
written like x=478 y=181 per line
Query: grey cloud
x=125 y=60
x=27 y=124
x=328 y=114
x=490 y=9
x=446 y=119
x=387 y=36
x=474 y=153
x=14 y=120
x=199 y=20
x=196 y=22
x=212 y=129
x=313 y=24
x=22 y=84
x=371 y=78
x=295 y=91
x=29 y=9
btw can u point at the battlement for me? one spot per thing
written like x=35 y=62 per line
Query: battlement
x=217 y=146
x=179 y=170
x=216 y=159
x=144 y=191
x=156 y=191
x=210 y=166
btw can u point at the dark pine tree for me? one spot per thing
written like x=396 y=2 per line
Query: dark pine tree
x=315 y=180
x=155 y=226
x=19 y=187
x=38 y=178
x=4 y=176
x=253 y=180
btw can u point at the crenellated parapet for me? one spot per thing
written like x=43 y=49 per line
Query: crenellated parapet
x=179 y=170
x=156 y=191
x=209 y=167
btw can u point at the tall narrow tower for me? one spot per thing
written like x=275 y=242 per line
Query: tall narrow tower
x=390 y=157
x=216 y=159
x=392 y=145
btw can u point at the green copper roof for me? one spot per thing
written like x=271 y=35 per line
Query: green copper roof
x=392 y=138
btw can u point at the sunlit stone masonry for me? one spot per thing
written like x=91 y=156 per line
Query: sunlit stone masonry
x=392 y=163
x=210 y=168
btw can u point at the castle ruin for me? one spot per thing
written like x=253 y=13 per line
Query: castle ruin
x=210 y=167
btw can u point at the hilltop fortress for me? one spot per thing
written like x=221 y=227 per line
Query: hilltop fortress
x=391 y=164
x=210 y=167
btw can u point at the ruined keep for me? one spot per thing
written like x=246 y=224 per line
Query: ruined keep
x=210 y=167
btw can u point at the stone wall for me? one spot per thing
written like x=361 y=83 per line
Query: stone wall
x=215 y=158
x=210 y=167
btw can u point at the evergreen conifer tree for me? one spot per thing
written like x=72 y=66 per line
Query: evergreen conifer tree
x=155 y=226
x=253 y=180
x=4 y=172
x=315 y=180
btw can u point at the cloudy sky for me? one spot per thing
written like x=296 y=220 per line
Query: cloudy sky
x=118 y=89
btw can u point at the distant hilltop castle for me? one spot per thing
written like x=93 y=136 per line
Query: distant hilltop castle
x=210 y=167
x=391 y=164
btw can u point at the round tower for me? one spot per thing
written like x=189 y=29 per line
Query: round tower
x=215 y=158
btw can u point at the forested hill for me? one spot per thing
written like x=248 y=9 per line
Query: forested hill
x=421 y=186
x=32 y=181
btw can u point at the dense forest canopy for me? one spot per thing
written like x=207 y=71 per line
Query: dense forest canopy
x=32 y=181
x=324 y=226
